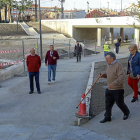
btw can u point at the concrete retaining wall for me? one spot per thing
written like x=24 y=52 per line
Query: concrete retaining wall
x=59 y=25
x=11 y=71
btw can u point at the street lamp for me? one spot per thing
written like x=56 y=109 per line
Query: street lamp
x=40 y=31
x=116 y=6
x=108 y=6
x=17 y=16
x=121 y=7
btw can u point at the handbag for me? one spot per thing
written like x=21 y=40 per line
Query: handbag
x=132 y=76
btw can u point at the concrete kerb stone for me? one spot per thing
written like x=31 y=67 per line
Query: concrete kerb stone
x=84 y=119
x=11 y=71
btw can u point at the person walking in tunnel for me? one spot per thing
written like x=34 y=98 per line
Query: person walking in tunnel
x=78 y=51
x=106 y=48
x=117 y=45
x=126 y=38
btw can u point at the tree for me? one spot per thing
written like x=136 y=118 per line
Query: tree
x=8 y=6
x=22 y=5
x=1 y=6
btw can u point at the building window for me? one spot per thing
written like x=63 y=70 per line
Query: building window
x=47 y=16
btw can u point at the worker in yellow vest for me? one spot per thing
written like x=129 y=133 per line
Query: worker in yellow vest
x=133 y=36
x=106 y=48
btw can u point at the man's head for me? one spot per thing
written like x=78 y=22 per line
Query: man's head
x=51 y=48
x=110 y=57
x=32 y=51
x=106 y=43
x=77 y=42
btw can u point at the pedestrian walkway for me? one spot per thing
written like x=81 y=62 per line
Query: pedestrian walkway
x=51 y=115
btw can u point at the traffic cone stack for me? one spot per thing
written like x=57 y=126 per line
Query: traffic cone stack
x=82 y=109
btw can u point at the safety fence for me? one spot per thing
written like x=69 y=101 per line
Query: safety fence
x=17 y=51
x=14 y=52
x=13 y=56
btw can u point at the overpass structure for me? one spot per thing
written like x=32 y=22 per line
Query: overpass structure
x=94 y=28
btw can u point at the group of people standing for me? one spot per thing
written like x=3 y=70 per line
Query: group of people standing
x=34 y=63
x=115 y=75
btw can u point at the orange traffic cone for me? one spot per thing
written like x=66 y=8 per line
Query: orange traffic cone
x=82 y=109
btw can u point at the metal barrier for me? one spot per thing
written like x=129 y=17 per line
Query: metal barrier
x=15 y=51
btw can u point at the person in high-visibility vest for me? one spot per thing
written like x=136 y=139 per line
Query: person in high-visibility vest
x=133 y=36
x=106 y=48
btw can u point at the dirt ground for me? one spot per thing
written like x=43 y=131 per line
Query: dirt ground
x=98 y=92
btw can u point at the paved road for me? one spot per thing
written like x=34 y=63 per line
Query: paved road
x=51 y=115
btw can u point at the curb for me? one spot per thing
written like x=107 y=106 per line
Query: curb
x=84 y=119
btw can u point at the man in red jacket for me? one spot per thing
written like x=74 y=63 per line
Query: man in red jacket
x=51 y=61
x=33 y=63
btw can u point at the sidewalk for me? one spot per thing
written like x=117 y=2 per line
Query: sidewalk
x=51 y=115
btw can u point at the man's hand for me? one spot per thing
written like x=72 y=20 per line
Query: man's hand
x=54 y=58
x=138 y=76
x=46 y=64
x=102 y=75
x=111 y=86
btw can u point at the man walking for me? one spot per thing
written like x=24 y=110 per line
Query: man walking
x=119 y=40
x=126 y=38
x=51 y=61
x=78 y=51
x=33 y=63
x=117 y=45
x=115 y=87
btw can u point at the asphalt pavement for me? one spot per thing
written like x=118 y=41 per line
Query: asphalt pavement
x=51 y=115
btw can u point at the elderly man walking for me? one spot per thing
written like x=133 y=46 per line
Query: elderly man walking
x=115 y=87
x=33 y=63
x=51 y=61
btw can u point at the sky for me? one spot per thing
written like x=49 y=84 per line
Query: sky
x=82 y=4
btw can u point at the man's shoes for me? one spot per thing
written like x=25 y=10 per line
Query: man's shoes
x=134 y=100
x=105 y=120
x=125 y=117
x=39 y=92
x=53 y=81
x=30 y=92
x=49 y=82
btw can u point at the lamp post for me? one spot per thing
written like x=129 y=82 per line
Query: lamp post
x=108 y=6
x=40 y=31
x=116 y=6
x=17 y=16
x=121 y=7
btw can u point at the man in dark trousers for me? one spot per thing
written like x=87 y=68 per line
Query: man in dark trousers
x=115 y=87
x=119 y=40
x=33 y=63
x=78 y=51
x=51 y=61
x=117 y=45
